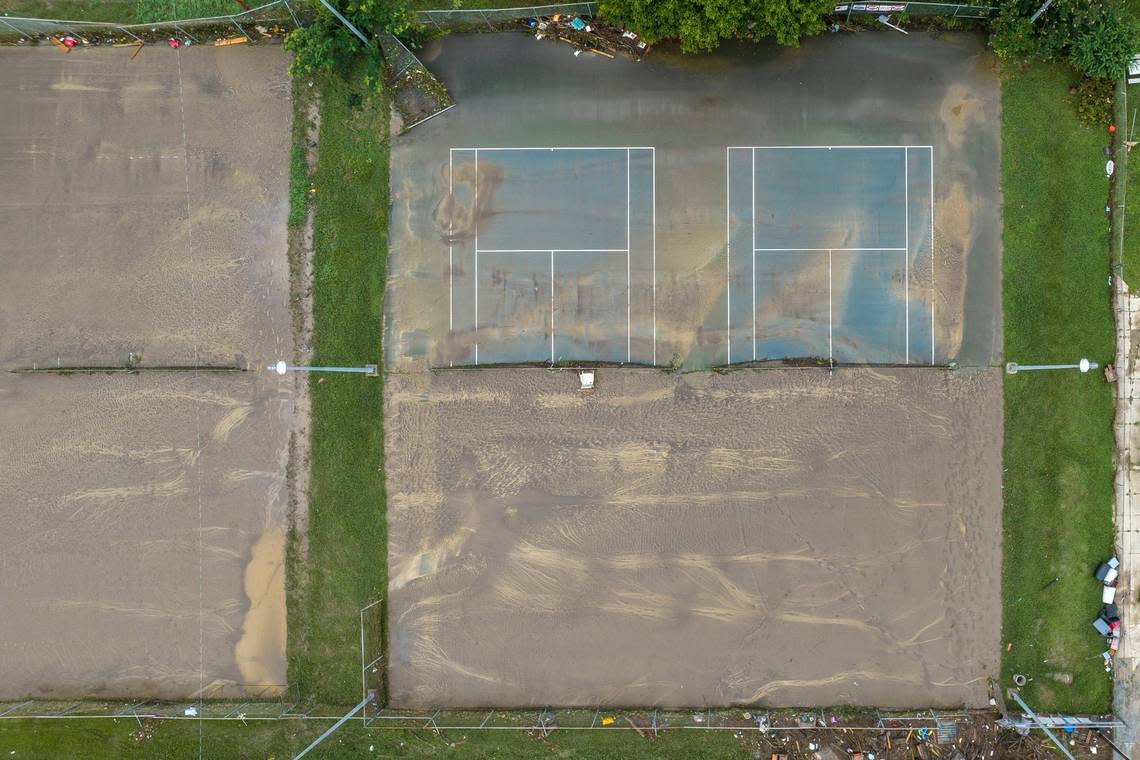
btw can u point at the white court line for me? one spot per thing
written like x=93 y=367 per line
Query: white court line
x=823 y=147
x=563 y=147
x=475 y=213
x=762 y=250
x=932 y=291
x=728 y=250
x=830 y=319
x=753 y=254
x=906 y=254
x=552 y=307
x=653 y=203
x=553 y=250
x=450 y=257
x=627 y=250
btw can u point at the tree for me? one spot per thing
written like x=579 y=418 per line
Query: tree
x=1098 y=37
x=702 y=24
x=1107 y=43
x=326 y=43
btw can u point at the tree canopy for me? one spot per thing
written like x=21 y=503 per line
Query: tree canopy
x=702 y=24
x=326 y=43
x=1098 y=37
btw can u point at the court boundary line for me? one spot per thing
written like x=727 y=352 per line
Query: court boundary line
x=627 y=250
x=827 y=147
x=906 y=249
x=906 y=253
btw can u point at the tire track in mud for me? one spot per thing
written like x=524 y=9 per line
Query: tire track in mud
x=784 y=536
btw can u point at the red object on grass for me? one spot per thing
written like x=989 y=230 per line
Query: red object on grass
x=1112 y=129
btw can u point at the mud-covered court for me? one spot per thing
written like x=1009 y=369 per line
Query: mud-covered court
x=143 y=220
x=783 y=537
x=821 y=535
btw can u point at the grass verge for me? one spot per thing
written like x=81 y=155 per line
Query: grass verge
x=107 y=739
x=1058 y=425
x=119 y=11
x=345 y=563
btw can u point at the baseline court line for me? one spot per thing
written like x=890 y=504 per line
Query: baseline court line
x=562 y=147
x=552 y=250
x=906 y=254
x=753 y=254
x=823 y=147
x=761 y=250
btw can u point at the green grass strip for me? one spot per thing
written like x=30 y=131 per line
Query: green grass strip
x=1058 y=425
x=346 y=563
x=107 y=739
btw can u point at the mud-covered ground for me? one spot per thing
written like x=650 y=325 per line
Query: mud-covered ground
x=142 y=209
x=787 y=537
x=870 y=88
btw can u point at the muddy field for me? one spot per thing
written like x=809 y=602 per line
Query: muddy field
x=878 y=89
x=143 y=213
x=786 y=537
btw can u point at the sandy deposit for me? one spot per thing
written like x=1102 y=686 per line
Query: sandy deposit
x=785 y=537
x=144 y=214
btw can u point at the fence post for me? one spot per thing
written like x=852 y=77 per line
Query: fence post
x=26 y=37
x=176 y=26
x=289 y=8
x=485 y=21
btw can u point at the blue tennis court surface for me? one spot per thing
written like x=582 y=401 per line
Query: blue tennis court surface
x=830 y=254
x=551 y=255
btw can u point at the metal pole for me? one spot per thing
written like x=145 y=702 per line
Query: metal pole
x=1012 y=368
x=17 y=30
x=281 y=368
x=289 y=8
x=337 y=725
x=344 y=21
x=1033 y=716
x=1039 y=11
x=485 y=21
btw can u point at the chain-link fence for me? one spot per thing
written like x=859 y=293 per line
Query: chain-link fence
x=272 y=19
x=416 y=94
x=956 y=10
x=978 y=733
x=491 y=18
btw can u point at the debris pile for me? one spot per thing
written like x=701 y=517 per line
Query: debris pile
x=589 y=35
x=1107 y=624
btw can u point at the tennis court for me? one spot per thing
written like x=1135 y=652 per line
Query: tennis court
x=830 y=253
x=550 y=255
x=686 y=174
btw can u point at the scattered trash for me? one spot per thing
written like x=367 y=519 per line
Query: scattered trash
x=1109 y=373
x=587 y=36
x=174 y=43
x=190 y=712
x=607 y=721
